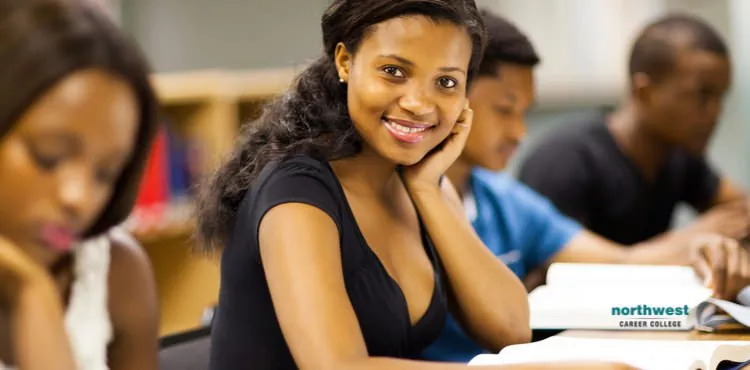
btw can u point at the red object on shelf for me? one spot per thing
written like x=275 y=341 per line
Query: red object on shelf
x=154 y=189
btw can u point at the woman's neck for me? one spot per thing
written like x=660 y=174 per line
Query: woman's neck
x=366 y=174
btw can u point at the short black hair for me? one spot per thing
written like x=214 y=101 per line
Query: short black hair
x=653 y=52
x=505 y=43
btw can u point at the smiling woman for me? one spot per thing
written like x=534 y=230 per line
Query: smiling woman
x=407 y=82
x=350 y=160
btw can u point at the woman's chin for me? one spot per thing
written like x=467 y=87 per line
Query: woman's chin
x=400 y=155
x=405 y=158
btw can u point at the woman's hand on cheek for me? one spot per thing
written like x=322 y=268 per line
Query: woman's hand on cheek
x=18 y=272
x=425 y=175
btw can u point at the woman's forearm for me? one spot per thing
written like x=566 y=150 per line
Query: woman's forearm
x=38 y=330
x=492 y=301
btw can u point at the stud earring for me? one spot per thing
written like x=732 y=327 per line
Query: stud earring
x=341 y=80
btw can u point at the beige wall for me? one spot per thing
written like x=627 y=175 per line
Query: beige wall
x=198 y=34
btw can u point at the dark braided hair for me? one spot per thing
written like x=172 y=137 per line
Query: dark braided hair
x=312 y=116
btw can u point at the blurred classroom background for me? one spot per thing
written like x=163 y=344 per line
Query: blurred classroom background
x=217 y=61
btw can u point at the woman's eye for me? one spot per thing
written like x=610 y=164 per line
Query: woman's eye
x=393 y=71
x=46 y=162
x=447 y=82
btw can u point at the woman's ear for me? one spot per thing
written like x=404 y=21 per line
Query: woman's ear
x=343 y=60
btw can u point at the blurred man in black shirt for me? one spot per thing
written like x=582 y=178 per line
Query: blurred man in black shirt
x=623 y=175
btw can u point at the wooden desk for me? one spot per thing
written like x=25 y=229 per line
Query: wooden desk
x=659 y=335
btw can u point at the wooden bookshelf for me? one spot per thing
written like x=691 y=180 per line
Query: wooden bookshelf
x=207 y=107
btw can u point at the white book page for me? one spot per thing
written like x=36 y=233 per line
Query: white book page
x=583 y=296
x=645 y=276
x=643 y=354
x=736 y=311
x=594 y=308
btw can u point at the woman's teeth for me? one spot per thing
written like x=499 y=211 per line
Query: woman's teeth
x=404 y=129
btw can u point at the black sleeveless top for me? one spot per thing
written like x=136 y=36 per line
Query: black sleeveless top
x=246 y=332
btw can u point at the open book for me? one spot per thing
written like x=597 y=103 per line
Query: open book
x=643 y=354
x=715 y=315
x=627 y=297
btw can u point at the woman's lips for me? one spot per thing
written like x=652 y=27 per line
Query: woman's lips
x=405 y=130
x=58 y=238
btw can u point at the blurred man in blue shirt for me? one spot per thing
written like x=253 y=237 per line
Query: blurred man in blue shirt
x=521 y=227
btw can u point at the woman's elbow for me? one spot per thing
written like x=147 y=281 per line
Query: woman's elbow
x=518 y=335
x=514 y=326
x=328 y=361
x=507 y=332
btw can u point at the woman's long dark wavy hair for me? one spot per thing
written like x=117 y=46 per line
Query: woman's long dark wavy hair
x=44 y=41
x=312 y=116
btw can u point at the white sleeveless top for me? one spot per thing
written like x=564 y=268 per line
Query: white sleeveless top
x=87 y=320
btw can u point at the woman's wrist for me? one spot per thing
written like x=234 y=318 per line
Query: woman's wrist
x=424 y=188
x=34 y=290
x=425 y=194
